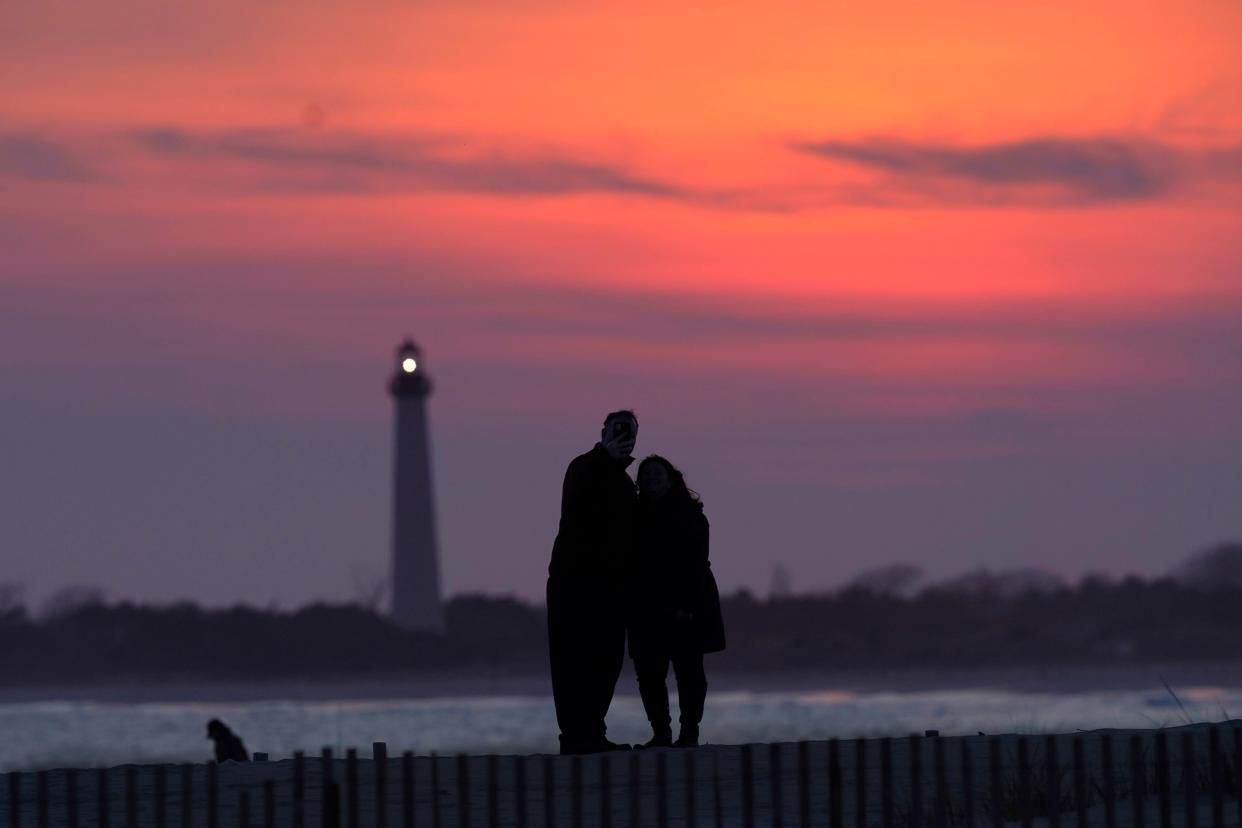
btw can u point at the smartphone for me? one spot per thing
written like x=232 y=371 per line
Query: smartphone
x=623 y=428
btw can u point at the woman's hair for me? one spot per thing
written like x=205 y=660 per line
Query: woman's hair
x=678 y=490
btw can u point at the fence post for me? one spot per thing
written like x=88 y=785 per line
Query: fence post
x=1053 y=771
x=776 y=806
x=661 y=769
x=379 y=762
x=331 y=804
x=243 y=810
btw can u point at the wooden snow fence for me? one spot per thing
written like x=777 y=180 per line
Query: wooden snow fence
x=1190 y=776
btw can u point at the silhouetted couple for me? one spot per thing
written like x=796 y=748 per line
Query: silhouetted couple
x=629 y=558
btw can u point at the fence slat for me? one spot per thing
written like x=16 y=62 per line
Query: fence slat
x=1110 y=781
x=690 y=787
x=994 y=782
x=716 y=805
x=269 y=804
x=1162 y=779
x=860 y=783
x=1052 y=769
x=187 y=795
x=131 y=797
x=213 y=796
x=1190 y=779
x=519 y=791
x=1080 y=781
x=916 y=780
x=463 y=790
x=886 y=782
x=351 y=788
x=297 y=797
x=748 y=783
x=1138 y=782
x=968 y=785
x=71 y=798
x=942 y=787
x=1214 y=778
x=15 y=798
x=575 y=790
x=102 y=806
x=776 y=806
x=549 y=792
x=635 y=778
x=493 y=791
x=325 y=793
x=836 y=801
x=41 y=799
x=434 y=766
x=379 y=761
x=407 y=789
x=1024 y=781
x=161 y=797
x=605 y=791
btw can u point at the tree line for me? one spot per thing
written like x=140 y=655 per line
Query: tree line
x=884 y=618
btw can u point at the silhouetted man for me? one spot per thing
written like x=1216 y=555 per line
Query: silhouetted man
x=228 y=745
x=586 y=624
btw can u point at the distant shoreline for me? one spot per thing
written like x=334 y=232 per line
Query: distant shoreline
x=1072 y=678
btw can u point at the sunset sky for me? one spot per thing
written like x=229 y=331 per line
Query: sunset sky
x=952 y=283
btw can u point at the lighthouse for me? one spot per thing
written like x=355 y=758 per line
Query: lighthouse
x=415 y=560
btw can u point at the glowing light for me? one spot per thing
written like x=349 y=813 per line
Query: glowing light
x=409 y=365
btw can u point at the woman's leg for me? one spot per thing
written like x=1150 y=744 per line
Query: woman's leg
x=652 y=671
x=691 y=693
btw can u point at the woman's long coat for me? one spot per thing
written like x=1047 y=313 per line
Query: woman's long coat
x=672 y=572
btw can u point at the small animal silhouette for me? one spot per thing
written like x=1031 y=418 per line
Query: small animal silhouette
x=229 y=746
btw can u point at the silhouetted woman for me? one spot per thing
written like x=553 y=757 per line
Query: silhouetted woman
x=674 y=605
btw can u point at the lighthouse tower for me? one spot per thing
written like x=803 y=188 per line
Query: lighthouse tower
x=415 y=561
